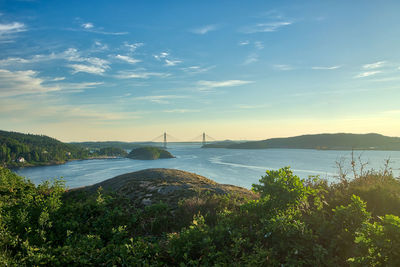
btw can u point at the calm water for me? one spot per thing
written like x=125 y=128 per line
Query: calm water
x=237 y=167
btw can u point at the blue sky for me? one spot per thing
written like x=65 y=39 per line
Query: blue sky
x=130 y=70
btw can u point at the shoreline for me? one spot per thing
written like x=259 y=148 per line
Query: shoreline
x=55 y=163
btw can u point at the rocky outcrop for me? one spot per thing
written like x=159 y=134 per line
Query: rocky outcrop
x=170 y=186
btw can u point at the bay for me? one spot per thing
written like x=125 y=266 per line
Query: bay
x=241 y=167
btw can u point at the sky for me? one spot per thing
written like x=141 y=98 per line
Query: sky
x=245 y=70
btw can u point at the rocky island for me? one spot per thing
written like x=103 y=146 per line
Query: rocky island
x=149 y=153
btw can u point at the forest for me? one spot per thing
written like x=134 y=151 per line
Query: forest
x=18 y=149
x=22 y=150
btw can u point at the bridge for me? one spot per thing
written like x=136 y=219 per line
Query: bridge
x=165 y=136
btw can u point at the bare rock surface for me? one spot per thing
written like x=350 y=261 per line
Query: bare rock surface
x=151 y=186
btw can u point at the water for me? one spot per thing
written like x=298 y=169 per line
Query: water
x=238 y=167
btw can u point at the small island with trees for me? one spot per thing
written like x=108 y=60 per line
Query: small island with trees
x=149 y=153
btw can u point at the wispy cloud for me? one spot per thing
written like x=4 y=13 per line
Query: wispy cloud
x=90 y=27
x=94 y=65
x=205 y=29
x=251 y=59
x=172 y=62
x=374 y=65
x=8 y=30
x=100 y=46
x=161 y=55
x=326 y=67
x=259 y=45
x=87 y=25
x=11 y=28
x=13 y=83
x=265 y=27
x=204 y=85
x=159 y=99
x=87 y=68
x=140 y=74
x=79 y=86
x=283 y=67
x=367 y=74
x=128 y=59
x=134 y=46
x=197 y=69
x=57 y=79
x=243 y=43
x=12 y=61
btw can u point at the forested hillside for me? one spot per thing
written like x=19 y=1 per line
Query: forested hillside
x=18 y=149
x=339 y=141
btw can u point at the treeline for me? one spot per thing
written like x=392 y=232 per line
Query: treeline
x=17 y=149
x=295 y=222
x=106 y=144
x=110 y=152
x=339 y=141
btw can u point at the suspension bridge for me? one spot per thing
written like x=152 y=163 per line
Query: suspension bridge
x=165 y=137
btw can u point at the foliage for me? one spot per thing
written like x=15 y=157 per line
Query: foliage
x=149 y=153
x=35 y=150
x=295 y=222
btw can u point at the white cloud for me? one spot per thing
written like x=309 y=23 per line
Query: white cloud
x=58 y=79
x=374 y=65
x=243 y=43
x=22 y=82
x=94 y=65
x=133 y=47
x=13 y=60
x=326 y=67
x=283 y=67
x=79 y=86
x=87 y=68
x=172 y=62
x=11 y=28
x=217 y=84
x=128 y=59
x=197 y=69
x=100 y=46
x=140 y=74
x=87 y=25
x=204 y=29
x=265 y=27
x=161 y=55
x=367 y=73
x=251 y=59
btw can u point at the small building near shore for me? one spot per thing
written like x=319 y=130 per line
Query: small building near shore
x=20 y=160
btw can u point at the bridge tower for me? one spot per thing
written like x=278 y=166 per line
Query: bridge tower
x=165 y=140
x=204 y=138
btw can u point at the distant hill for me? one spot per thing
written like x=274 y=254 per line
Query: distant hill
x=149 y=153
x=106 y=144
x=339 y=141
x=18 y=149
